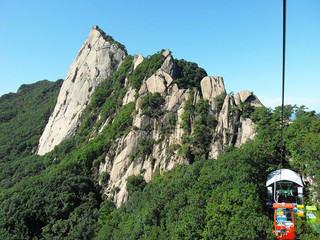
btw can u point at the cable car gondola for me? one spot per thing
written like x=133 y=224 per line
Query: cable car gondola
x=284 y=221
x=285 y=194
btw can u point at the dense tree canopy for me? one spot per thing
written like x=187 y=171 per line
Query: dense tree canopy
x=57 y=196
x=23 y=116
x=189 y=74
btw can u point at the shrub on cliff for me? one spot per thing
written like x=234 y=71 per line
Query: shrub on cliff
x=189 y=74
x=151 y=105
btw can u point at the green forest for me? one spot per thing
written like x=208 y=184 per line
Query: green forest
x=57 y=196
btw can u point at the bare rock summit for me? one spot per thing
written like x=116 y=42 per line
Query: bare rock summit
x=97 y=59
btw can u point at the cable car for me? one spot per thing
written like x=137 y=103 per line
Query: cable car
x=285 y=185
x=311 y=214
x=300 y=210
x=284 y=225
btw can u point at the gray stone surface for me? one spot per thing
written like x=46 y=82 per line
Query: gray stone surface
x=96 y=60
x=212 y=87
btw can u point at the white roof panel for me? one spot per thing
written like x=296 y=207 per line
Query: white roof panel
x=284 y=175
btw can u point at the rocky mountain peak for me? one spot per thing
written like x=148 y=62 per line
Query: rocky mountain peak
x=179 y=113
x=99 y=56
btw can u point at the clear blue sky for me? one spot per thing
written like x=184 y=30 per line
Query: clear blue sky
x=238 y=40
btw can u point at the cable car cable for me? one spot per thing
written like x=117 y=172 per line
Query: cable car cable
x=283 y=78
x=282 y=103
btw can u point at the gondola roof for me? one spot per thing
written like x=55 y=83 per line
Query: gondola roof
x=284 y=175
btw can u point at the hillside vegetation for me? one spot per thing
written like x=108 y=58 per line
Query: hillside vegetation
x=57 y=196
x=23 y=116
x=216 y=199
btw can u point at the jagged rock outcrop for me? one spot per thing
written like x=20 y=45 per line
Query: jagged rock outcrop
x=137 y=60
x=231 y=129
x=97 y=59
x=164 y=138
x=246 y=131
x=246 y=96
x=212 y=87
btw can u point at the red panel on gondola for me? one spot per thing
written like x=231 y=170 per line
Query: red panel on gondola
x=284 y=220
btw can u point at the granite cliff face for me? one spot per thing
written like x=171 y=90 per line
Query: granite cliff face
x=166 y=142
x=97 y=59
x=232 y=128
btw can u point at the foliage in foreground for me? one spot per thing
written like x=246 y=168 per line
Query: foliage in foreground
x=23 y=116
x=61 y=200
x=211 y=199
x=57 y=197
x=208 y=199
